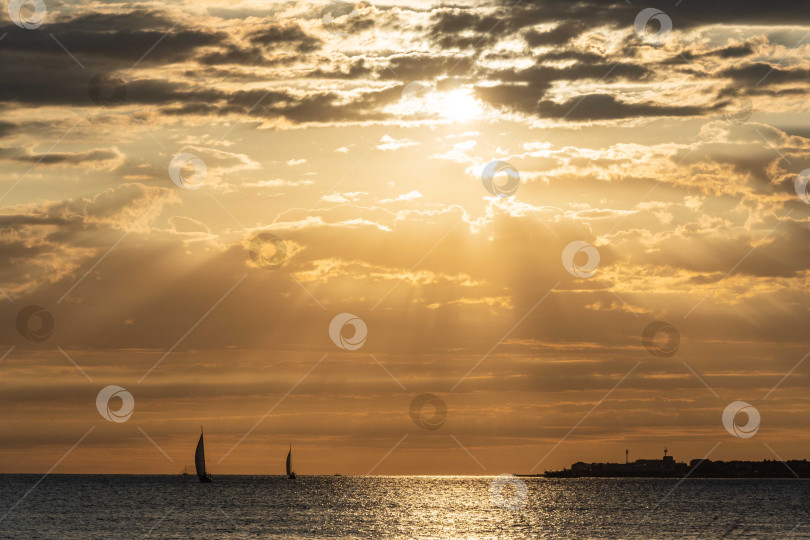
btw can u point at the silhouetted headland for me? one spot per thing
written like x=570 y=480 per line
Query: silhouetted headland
x=667 y=467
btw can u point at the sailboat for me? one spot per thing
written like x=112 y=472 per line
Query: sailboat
x=199 y=460
x=290 y=471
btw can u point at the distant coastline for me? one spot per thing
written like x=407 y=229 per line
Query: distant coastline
x=667 y=467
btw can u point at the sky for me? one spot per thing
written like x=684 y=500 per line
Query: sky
x=404 y=238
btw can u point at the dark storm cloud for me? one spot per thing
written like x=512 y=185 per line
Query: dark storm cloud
x=264 y=46
x=117 y=41
x=110 y=43
x=725 y=12
x=558 y=36
x=734 y=51
x=281 y=34
x=600 y=70
x=24 y=155
x=513 y=96
x=328 y=106
x=7 y=128
x=110 y=39
x=76 y=158
x=19 y=220
x=37 y=72
x=761 y=74
x=737 y=51
x=316 y=107
x=607 y=107
x=459 y=28
x=232 y=54
x=69 y=87
x=408 y=67
x=526 y=88
x=450 y=23
x=475 y=28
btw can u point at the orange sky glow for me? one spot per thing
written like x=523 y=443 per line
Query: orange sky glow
x=408 y=238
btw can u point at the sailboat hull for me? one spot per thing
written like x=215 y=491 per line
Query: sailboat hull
x=204 y=479
x=291 y=476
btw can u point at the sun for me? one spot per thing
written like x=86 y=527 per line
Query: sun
x=459 y=106
x=424 y=99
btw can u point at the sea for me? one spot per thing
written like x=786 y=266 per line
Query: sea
x=440 y=507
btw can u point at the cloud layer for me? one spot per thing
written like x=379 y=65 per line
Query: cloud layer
x=362 y=142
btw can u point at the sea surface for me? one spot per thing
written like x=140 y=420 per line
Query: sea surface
x=178 y=507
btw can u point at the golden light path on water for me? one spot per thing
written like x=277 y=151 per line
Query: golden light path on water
x=441 y=507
